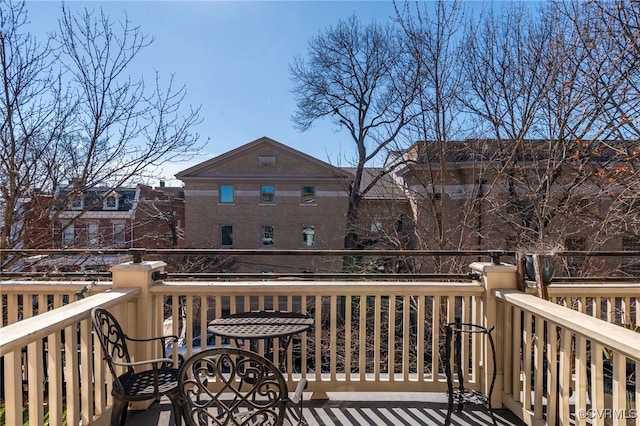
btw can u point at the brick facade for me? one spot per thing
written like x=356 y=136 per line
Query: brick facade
x=268 y=187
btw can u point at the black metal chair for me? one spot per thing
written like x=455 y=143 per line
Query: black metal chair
x=132 y=385
x=455 y=332
x=231 y=386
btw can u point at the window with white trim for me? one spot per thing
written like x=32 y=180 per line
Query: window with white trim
x=68 y=235
x=119 y=234
x=110 y=203
x=93 y=232
x=308 y=235
x=77 y=203
x=267 y=235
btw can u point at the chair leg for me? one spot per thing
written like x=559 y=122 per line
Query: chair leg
x=119 y=412
x=449 y=374
x=295 y=413
x=177 y=408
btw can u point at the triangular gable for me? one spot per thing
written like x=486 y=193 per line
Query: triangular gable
x=217 y=166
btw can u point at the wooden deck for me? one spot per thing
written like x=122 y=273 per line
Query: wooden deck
x=355 y=410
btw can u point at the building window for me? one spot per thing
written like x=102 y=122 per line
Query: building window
x=119 y=236
x=267 y=194
x=226 y=235
x=68 y=235
x=226 y=193
x=110 y=203
x=308 y=195
x=267 y=235
x=77 y=203
x=308 y=235
x=93 y=232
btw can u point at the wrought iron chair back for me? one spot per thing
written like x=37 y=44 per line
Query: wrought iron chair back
x=128 y=383
x=113 y=341
x=230 y=386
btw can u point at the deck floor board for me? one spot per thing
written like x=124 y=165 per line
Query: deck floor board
x=337 y=412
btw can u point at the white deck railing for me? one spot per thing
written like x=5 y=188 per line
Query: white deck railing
x=368 y=337
x=613 y=302
x=50 y=360
x=568 y=367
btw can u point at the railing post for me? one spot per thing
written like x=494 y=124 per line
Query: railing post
x=142 y=316
x=502 y=276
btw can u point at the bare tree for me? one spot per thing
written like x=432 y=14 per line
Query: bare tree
x=555 y=90
x=165 y=216
x=363 y=80
x=509 y=70
x=71 y=112
x=434 y=31
x=608 y=34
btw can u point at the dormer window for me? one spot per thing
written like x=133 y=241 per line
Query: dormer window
x=77 y=204
x=111 y=202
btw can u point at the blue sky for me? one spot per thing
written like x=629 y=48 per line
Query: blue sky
x=233 y=57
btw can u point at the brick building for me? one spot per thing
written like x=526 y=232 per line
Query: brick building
x=528 y=196
x=98 y=218
x=266 y=195
x=104 y=218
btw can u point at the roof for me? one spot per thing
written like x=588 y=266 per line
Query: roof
x=386 y=188
x=473 y=150
x=93 y=198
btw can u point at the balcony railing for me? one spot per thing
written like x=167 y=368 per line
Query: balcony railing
x=50 y=361
x=558 y=374
x=370 y=336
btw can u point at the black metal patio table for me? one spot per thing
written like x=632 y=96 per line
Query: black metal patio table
x=269 y=324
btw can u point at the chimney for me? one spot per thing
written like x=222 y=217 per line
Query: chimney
x=161 y=184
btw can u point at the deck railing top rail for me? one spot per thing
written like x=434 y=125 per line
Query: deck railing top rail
x=19 y=334
x=610 y=335
x=301 y=288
